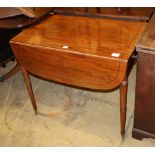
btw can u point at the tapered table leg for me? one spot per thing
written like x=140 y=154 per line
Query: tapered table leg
x=29 y=87
x=123 y=105
x=11 y=73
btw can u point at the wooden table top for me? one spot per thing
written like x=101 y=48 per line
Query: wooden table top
x=16 y=22
x=6 y=12
x=146 y=42
x=132 y=13
x=19 y=21
x=84 y=36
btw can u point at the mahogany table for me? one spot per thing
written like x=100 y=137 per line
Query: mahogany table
x=85 y=52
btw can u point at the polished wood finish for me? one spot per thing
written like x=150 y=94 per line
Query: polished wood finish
x=132 y=13
x=17 y=22
x=144 y=118
x=79 y=51
x=123 y=104
x=91 y=43
x=29 y=87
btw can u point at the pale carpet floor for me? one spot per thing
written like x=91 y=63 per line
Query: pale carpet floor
x=67 y=116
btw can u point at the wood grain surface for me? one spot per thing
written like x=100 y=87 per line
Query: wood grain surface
x=88 y=60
